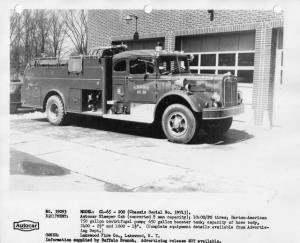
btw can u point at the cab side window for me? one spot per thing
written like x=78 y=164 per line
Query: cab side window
x=137 y=67
x=120 y=66
x=150 y=68
x=141 y=67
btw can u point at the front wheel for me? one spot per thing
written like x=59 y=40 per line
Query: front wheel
x=179 y=124
x=55 y=110
x=217 y=127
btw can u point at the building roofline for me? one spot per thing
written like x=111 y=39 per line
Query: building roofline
x=206 y=30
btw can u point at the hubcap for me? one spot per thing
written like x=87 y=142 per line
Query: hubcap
x=177 y=124
x=53 y=112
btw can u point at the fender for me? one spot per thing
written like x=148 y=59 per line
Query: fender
x=193 y=100
x=57 y=92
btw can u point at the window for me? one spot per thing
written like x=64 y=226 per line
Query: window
x=120 y=66
x=208 y=59
x=195 y=61
x=150 y=67
x=173 y=64
x=141 y=66
x=239 y=63
x=227 y=59
x=137 y=67
x=246 y=59
x=245 y=76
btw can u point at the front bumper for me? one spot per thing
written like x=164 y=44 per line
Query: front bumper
x=219 y=113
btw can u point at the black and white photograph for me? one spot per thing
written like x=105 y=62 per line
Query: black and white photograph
x=150 y=121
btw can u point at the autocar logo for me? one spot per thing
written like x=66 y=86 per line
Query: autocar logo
x=26 y=225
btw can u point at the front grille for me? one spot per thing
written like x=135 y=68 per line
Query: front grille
x=230 y=91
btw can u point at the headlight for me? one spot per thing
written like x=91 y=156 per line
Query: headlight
x=216 y=97
x=216 y=100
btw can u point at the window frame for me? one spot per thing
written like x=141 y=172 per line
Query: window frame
x=216 y=68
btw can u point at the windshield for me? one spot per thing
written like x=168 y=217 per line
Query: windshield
x=173 y=65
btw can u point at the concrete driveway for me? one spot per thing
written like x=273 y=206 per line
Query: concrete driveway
x=97 y=154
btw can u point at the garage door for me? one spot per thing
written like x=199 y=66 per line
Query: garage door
x=222 y=53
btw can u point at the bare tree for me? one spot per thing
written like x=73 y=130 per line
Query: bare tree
x=15 y=41
x=15 y=26
x=34 y=32
x=76 y=24
x=57 y=32
x=29 y=38
x=43 y=26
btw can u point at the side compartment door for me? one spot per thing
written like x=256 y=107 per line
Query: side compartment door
x=31 y=89
x=32 y=95
x=75 y=102
x=74 y=78
x=140 y=82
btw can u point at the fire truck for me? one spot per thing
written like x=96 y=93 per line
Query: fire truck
x=146 y=86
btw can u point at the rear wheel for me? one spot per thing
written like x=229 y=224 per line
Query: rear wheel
x=179 y=124
x=217 y=127
x=55 y=110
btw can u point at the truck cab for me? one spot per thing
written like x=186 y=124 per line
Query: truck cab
x=149 y=86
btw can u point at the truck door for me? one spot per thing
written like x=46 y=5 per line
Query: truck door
x=140 y=82
x=119 y=74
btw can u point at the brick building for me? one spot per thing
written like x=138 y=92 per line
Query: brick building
x=247 y=43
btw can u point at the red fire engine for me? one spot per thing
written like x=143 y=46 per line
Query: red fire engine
x=148 y=86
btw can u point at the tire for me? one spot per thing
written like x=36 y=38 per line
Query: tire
x=179 y=124
x=55 y=110
x=218 y=127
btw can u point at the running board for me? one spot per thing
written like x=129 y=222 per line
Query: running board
x=129 y=117
x=143 y=113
